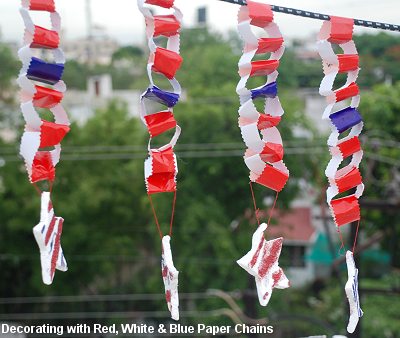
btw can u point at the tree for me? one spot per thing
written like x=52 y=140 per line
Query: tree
x=380 y=108
x=8 y=70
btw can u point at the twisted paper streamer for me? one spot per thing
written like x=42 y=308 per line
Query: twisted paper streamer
x=42 y=87
x=344 y=140
x=346 y=122
x=40 y=134
x=161 y=167
x=264 y=152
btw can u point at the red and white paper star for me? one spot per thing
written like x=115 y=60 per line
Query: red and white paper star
x=262 y=262
x=170 y=278
x=351 y=289
x=47 y=234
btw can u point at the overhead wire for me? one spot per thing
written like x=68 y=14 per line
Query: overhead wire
x=319 y=16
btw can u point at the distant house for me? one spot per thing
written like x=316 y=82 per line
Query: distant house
x=296 y=227
x=306 y=254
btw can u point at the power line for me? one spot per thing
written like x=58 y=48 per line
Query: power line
x=104 y=298
x=319 y=16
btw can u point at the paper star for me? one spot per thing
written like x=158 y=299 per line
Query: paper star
x=170 y=278
x=47 y=234
x=262 y=262
x=351 y=289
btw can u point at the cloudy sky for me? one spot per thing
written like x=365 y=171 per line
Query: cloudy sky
x=123 y=21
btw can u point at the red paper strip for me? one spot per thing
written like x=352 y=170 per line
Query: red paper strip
x=161 y=3
x=260 y=14
x=42 y=5
x=52 y=133
x=273 y=178
x=45 y=38
x=349 y=147
x=46 y=97
x=42 y=168
x=160 y=122
x=348 y=181
x=345 y=210
x=263 y=67
x=163 y=172
x=269 y=45
x=348 y=62
x=272 y=152
x=267 y=121
x=348 y=92
x=166 y=25
x=341 y=30
x=166 y=62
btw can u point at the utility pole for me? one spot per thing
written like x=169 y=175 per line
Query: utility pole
x=89 y=27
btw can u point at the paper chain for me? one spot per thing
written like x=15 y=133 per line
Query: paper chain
x=161 y=167
x=41 y=87
x=263 y=155
x=347 y=122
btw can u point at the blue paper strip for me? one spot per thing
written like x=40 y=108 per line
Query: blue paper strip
x=345 y=119
x=268 y=91
x=42 y=71
x=166 y=98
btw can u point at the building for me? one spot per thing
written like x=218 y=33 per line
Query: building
x=98 y=49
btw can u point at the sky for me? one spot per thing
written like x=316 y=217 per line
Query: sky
x=124 y=22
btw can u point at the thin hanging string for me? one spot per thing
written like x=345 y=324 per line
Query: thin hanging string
x=256 y=210
x=172 y=215
x=342 y=246
x=37 y=189
x=51 y=186
x=319 y=16
x=155 y=217
x=356 y=236
x=273 y=208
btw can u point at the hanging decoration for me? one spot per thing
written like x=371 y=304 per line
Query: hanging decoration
x=264 y=154
x=262 y=262
x=351 y=289
x=47 y=234
x=161 y=167
x=42 y=88
x=343 y=169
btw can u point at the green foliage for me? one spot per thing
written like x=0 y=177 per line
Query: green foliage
x=110 y=240
x=380 y=109
x=127 y=52
x=380 y=54
x=8 y=69
x=75 y=75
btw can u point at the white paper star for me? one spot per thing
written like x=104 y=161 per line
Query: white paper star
x=170 y=278
x=262 y=262
x=47 y=234
x=351 y=289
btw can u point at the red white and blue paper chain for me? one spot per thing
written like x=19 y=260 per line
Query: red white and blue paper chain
x=344 y=143
x=161 y=167
x=264 y=154
x=42 y=88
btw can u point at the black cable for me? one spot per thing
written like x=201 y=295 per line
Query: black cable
x=319 y=16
